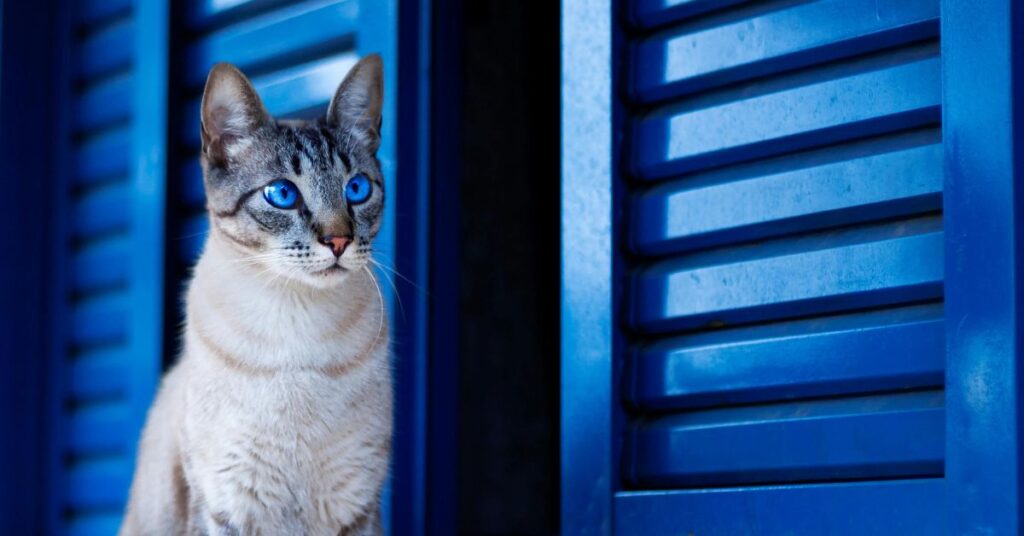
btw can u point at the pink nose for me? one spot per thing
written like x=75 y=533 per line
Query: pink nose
x=336 y=243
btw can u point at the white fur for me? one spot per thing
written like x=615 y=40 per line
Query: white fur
x=289 y=436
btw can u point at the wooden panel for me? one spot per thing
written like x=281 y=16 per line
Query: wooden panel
x=893 y=508
x=840 y=185
x=891 y=349
x=858 y=268
x=874 y=436
x=882 y=95
x=682 y=61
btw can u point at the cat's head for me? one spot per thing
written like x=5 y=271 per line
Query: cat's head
x=303 y=200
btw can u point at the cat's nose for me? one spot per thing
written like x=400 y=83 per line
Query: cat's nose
x=336 y=243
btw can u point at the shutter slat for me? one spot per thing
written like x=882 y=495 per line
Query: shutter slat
x=99 y=320
x=275 y=38
x=878 y=436
x=649 y=13
x=102 y=210
x=886 y=350
x=93 y=523
x=806 y=193
x=99 y=374
x=107 y=50
x=89 y=12
x=101 y=264
x=883 y=99
x=103 y=157
x=99 y=484
x=203 y=13
x=727 y=288
x=106 y=103
x=897 y=507
x=675 y=63
x=100 y=428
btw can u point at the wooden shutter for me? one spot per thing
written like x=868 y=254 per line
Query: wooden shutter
x=775 y=257
x=109 y=296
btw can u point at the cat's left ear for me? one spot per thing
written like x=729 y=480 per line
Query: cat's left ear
x=231 y=113
x=357 y=104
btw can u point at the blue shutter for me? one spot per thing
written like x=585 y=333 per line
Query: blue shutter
x=769 y=244
x=109 y=296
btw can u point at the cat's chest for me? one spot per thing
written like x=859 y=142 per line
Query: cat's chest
x=296 y=446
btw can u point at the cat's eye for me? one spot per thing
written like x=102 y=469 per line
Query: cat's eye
x=281 y=193
x=358 y=189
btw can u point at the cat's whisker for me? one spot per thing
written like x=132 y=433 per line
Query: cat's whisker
x=380 y=295
x=394 y=271
x=398 y=296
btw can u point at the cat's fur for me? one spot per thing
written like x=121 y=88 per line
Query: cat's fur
x=277 y=418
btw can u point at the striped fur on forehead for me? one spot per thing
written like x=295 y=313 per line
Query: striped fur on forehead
x=315 y=155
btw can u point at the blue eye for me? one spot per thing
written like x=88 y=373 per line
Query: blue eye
x=358 y=189
x=281 y=193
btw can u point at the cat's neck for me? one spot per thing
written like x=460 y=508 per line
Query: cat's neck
x=268 y=319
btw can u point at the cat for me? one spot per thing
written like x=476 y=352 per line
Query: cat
x=277 y=418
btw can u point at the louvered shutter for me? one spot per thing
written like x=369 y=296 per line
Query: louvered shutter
x=775 y=268
x=108 y=322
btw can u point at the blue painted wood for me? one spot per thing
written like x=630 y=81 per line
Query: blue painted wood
x=101 y=211
x=276 y=39
x=110 y=302
x=408 y=493
x=61 y=349
x=200 y=14
x=106 y=103
x=649 y=13
x=300 y=91
x=107 y=50
x=104 y=156
x=100 y=264
x=851 y=269
x=682 y=61
x=100 y=483
x=981 y=50
x=836 y=186
x=97 y=374
x=587 y=317
x=100 y=429
x=101 y=319
x=90 y=523
x=874 y=436
x=879 y=351
x=96 y=11
x=781 y=289
x=888 y=508
x=896 y=93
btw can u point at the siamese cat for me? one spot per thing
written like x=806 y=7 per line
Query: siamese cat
x=276 y=420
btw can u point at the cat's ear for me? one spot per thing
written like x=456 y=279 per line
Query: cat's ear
x=357 y=104
x=231 y=112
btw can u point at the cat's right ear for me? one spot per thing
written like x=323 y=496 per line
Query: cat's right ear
x=231 y=112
